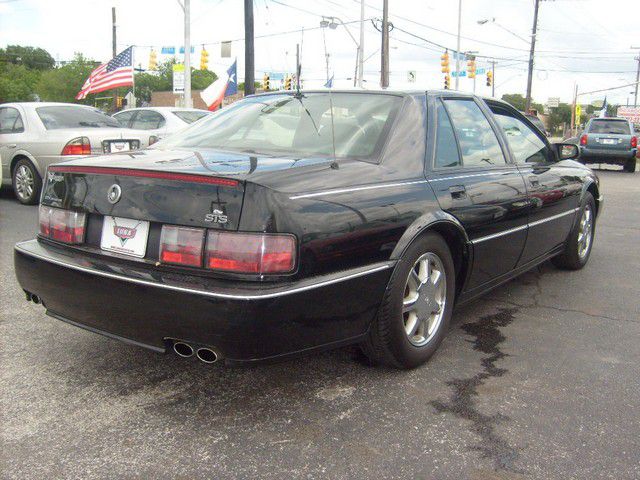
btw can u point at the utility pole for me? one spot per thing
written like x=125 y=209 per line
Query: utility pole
x=298 y=67
x=249 y=73
x=573 y=110
x=114 y=51
x=186 y=9
x=493 y=78
x=384 y=63
x=458 y=44
x=635 y=94
x=527 y=105
x=360 y=46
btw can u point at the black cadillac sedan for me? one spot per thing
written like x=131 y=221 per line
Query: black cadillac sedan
x=289 y=223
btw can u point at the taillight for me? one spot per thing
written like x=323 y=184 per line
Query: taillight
x=634 y=142
x=583 y=140
x=62 y=225
x=77 y=146
x=250 y=253
x=181 y=245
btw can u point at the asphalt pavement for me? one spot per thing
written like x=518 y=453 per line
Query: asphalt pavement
x=537 y=380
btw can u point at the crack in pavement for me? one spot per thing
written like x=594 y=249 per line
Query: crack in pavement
x=559 y=309
x=488 y=338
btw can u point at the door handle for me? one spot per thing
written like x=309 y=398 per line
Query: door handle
x=457 y=191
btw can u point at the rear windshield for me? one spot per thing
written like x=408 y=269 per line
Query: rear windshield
x=71 y=116
x=190 y=117
x=619 y=127
x=344 y=124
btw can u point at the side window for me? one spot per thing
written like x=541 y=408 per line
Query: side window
x=447 y=154
x=478 y=142
x=124 y=118
x=10 y=121
x=147 y=120
x=525 y=143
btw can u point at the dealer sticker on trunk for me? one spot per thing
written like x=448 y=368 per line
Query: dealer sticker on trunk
x=125 y=235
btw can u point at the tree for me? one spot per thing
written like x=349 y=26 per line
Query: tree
x=62 y=84
x=162 y=80
x=18 y=83
x=518 y=102
x=31 y=57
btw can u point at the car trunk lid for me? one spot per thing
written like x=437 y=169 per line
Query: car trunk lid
x=164 y=197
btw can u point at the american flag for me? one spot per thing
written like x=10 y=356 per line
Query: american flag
x=118 y=72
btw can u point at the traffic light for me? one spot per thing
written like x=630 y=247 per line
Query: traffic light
x=447 y=81
x=153 y=60
x=265 y=81
x=444 y=61
x=287 y=83
x=204 y=59
x=489 y=78
x=471 y=67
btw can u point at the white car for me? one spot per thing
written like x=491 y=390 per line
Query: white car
x=33 y=135
x=159 y=121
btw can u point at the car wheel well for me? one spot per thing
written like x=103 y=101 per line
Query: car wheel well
x=15 y=161
x=593 y=190
x=457 y=245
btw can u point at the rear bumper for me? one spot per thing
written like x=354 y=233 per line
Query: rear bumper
x=242 y=322
x=603 y=155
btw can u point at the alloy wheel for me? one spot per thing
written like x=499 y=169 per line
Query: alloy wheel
x=24 y=182
x=425 y=294
x=585 y=232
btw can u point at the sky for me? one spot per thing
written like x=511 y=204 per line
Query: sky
x=583 y=42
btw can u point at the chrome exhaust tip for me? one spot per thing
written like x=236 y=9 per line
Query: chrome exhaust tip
x=35 y=299
x=183 y=349
x=207 y=355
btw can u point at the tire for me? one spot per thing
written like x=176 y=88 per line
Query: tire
x=388 y=342
x=630 y=165
x=576 y=252
x=26 y=182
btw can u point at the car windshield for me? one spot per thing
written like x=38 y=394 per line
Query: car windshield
x=619 y=127
x=340 y=124
x=71 y=116
x=190 y=116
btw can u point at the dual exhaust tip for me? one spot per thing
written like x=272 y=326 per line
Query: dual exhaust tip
x=203 y=354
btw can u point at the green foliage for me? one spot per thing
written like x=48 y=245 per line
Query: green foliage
x=62 y=84
x=559 y=115
x=31 y=57
x=162 y=80
x=518 y=101
x=17 y=83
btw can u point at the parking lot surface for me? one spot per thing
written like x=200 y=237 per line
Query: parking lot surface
x=538 y=379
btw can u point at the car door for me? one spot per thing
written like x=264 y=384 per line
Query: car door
x=554 y=187
x=476 y=183
x=11 y=133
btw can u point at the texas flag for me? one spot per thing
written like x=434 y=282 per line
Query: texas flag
x=223 y=87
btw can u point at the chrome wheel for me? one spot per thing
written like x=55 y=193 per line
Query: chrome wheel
x=24 y=182
x=425 y=295
x=585 y=232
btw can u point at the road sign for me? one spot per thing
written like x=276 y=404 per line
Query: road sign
x=630 y=113
x=131 y=100
x=578 y=112
x=553 y=102
x=411 y=76
x=178 y=78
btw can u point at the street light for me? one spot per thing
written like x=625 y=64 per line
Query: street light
x=493 y=20
x=332 y=23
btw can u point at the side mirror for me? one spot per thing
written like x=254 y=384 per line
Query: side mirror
x=567 y=151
